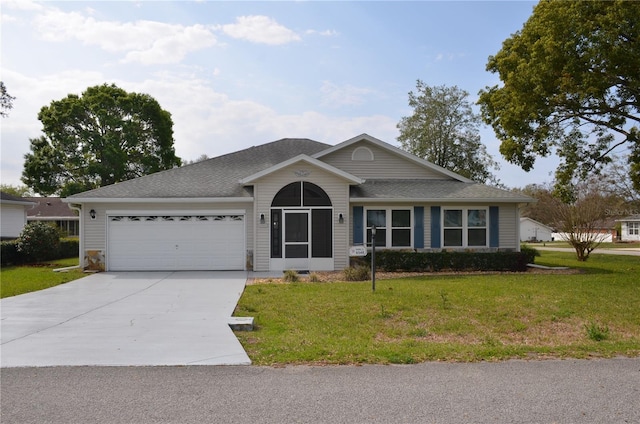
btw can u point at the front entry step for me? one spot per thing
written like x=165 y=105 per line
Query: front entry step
x=241 y=323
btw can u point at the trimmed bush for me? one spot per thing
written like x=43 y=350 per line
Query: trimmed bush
x=395 y=260
x=9 y=253
x=39 y=242
x=69 y=248
x=530 y=253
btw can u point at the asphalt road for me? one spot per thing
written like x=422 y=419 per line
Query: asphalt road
x=553 y=391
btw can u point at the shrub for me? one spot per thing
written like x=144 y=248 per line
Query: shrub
x=69 y=248
x=357 y=273
x=291 y=276
x=530 y=253
x=314 y=278
x=9 y=253
x=395 y=260
x=39 y=242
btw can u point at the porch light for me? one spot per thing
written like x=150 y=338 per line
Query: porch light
x=92 y=213
x=261 y=218
x=341 y=219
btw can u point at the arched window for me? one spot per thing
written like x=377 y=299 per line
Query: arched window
x=301 y=193
x=362 y=154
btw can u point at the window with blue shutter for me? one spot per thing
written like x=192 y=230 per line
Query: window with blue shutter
x=435 y=227
x=418 y=227
x=494 y=226
x=358 y=229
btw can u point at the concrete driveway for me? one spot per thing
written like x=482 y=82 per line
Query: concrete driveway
x=125 y=318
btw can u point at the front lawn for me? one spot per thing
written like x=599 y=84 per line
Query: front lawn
x=450 y=318
x=15 y=280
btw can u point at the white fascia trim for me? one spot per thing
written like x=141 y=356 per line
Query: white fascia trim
x=303 y=158
x=81 y=200
x=177 y=212
x=357 y=200
x=395 y=150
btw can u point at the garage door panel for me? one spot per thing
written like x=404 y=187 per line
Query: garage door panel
x=176 y=243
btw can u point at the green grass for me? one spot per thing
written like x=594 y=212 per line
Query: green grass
x=450 y=318
x=15 y=280
x=607 y=245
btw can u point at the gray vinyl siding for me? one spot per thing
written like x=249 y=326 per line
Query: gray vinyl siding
x=336 y=188
x=385 y=164
x=95 y=231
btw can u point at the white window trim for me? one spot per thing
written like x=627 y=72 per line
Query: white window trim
x=633 y=228
x=388 y=228
x=465 y=227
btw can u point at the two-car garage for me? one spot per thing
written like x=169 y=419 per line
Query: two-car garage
x=175 y=242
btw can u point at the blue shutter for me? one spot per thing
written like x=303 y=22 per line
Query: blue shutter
x=418 y=227
x=358 y=229
x=494 y=226
x=435 y=227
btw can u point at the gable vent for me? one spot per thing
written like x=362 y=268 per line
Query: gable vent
x=362 y=154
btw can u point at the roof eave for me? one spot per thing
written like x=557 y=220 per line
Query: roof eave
x=302 y=158
x=431 y=200
x=81 y=200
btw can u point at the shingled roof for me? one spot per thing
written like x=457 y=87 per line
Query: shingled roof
x=436 y=190
x=50 y=207
x=211 y=178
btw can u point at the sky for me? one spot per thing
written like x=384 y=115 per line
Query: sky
x=239 y=74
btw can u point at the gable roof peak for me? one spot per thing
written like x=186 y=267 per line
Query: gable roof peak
x=395 y=150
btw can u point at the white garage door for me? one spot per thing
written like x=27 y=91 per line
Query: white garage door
x=176 y=243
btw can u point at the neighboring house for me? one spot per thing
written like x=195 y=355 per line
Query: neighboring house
x=532 y=230
x=630 y=228
x=291 y=204
x=53 y=210
x=603 y=232
x=13 y=216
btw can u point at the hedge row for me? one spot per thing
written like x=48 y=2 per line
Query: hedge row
x=410 y=261
x=9 y=255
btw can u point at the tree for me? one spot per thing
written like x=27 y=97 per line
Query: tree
x=200 y=158
x=6 y=101
x=102 y=137
x=16 y=190
x=444 y=130
x=581 y=222
x=570 y=84
x=542 y=210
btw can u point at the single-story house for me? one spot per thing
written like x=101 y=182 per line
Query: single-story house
x=52 y=210
x=532 y=230
x=630 y=228
x=291 y=204
x=13 y=215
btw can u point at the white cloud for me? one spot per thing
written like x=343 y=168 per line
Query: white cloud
x=448 y=56
x=147 y=42
x=260 y=29
x=206 y=121
x=21 y=5
x=345 y=95
x=325 y=33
